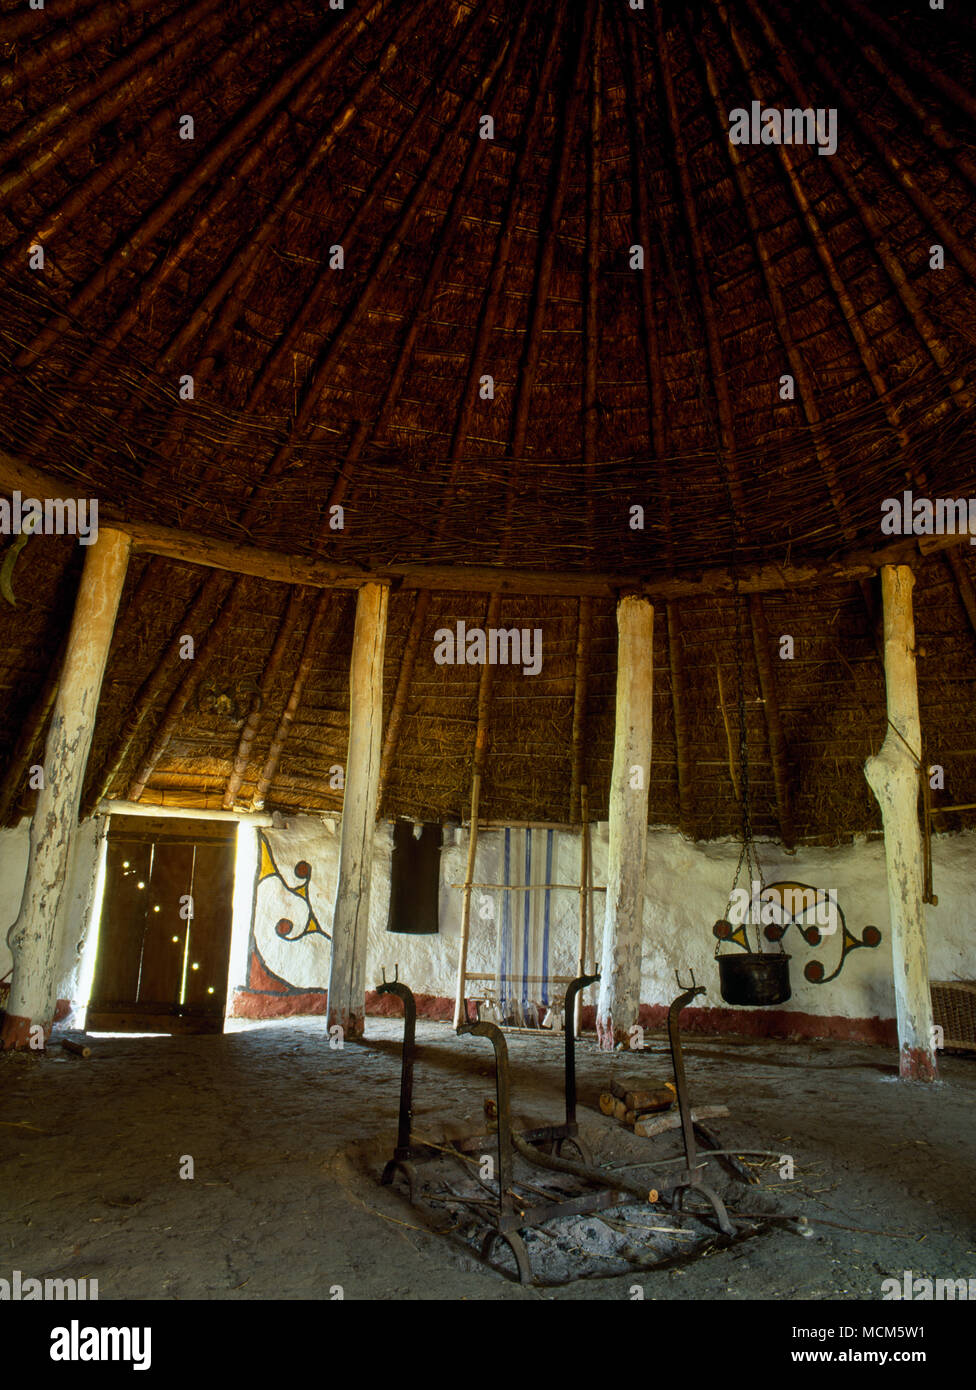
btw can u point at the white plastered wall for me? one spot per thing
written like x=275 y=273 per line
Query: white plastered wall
x=687 y=889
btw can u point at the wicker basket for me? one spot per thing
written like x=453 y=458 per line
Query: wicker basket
x=954 y=1009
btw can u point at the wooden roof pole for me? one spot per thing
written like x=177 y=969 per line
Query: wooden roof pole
x=54 y=220
x=469 y=394
x=150 y=690
x=83 y=30
x=584 y=629
x=407 y=663
x=679 y=706
x=964 y=585
x=774 y=724
x=657 y=420
x=726 y=431
x=395 y=385
x=313 y=387
x=927 y=332
x=820 y=243
x=256 y=239
x=925 y=119
x=591 y=320
x=326 y=603
x=433 y=274
x=804 y=382
x=35 y=938
x=391 y=243
x=884 y=148
x=12 y=787
x=916 y=59
x=81 y=111
x=231 y=287
x=18 y=24
x=350 y=924
x=181 y=695
x=590 y=423
x=258 y=702
x=623 y=931
x=185 y=189
x=892 y=775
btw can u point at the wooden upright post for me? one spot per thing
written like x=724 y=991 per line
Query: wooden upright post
x=34 y=937
x=480 y=759
x=350 y=921
x=624 y=926
x=893 y=777
x=584 y=902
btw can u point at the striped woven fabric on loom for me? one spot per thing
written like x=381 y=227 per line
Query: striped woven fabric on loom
x=528 y=924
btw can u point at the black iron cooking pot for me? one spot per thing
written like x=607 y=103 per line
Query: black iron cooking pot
x=755 y=978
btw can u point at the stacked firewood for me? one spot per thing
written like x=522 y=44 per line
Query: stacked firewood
x=635 y=1105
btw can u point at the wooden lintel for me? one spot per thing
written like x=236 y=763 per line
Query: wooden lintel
x=194 y=548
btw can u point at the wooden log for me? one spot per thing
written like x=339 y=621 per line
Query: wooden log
x=126 y=250
x=258 y=702
x=347 y=972
x=181 y=695
x=913 y=57
x=821 y=245
x=31 y=730
x=152 y=686
x=623 y=930
x=892 y=775
x=964 y=584
x=704 y=274
x=874 y=227
x=774 y=724
x=480 y=758
x=273 y=758
x=730 y=742
x=590 y=890
x=195 y=548
x=650 y=1125
x=34 y=938
x=591 y=290
x=644 y=1098
x=584 y=628
x=407 y=663
x=77 y=1049
x=584 y=903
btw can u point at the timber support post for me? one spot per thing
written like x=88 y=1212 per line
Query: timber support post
x=34 y=938
x=350 y=922
x=892 y=775
x=623 y=931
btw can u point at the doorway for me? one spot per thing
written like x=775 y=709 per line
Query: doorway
x=164 y=932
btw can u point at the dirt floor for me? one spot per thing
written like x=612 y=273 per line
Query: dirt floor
x=288 y=1138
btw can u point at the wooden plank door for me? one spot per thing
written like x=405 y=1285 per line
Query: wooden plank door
x=164 y=935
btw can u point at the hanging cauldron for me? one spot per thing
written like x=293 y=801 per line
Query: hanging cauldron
x=752 y=978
